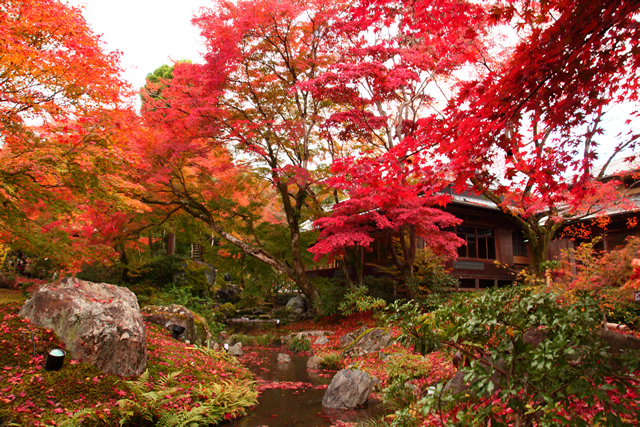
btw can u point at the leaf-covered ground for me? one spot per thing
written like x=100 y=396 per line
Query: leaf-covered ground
x=30 y=395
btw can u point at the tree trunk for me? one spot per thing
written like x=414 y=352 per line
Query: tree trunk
x=171 y=243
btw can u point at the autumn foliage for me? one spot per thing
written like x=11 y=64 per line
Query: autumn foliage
x=63 y=131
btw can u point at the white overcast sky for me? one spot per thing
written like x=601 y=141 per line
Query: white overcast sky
x=151 y=33
x=148 y=33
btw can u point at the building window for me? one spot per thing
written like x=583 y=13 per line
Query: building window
x=519 y=244
x=481 y=242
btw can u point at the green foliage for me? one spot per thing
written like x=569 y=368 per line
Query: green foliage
x=430 y=275
x=539 y=383
x=406 y=367
x=623 y=311
x=100 y=273
x=331 y=295
x=399 y=396
x=249 y=340
x=299 y=344
x=357 y=300
x=380 y=287
x=332 y=361
x=159 y=273
x=284 y=314
x=164 y=402
x=264 y=340
x=228 y=310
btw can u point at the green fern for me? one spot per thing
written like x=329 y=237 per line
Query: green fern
x=154 y=402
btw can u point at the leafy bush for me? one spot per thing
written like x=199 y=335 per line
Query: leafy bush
x=100 y=273
x=332 y=361
x=611 y=275
x=398 y=397
x=407 y=367
x=228 y=310
x=357 y=300
x=331 y=293
x=299 y=344
x=380 y=287
x=540 y=384
x=284 y=315
x=159 y=273
x=431 y=275
x=264 y=340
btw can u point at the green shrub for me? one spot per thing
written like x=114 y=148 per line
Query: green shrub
x=538 y=383
x=407 y=367
x=264 y=340
x=100 y=273
x=331 y=293
x=246 y=340
x=228 y=310
x=299 y=344
x=159 y=273
x=284 y=315
x=398 y=396
x=332 y=361
x=357 y=300
x=381 y=287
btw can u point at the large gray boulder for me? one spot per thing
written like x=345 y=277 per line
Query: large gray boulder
x=196 y=329
x=99 y=323
x=297 y=305
x=349 y=389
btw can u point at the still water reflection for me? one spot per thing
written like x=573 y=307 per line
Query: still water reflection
x=293 y=395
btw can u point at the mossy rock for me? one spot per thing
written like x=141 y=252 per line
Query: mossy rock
x=196 y=329
x=371 y=340
x=228 y=310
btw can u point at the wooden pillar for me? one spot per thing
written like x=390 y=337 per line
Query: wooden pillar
x=477 y=283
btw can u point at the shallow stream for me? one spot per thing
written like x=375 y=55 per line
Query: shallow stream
x=292 y=396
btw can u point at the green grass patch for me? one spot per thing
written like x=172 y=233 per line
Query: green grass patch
x=299 y=344
x=332 y=361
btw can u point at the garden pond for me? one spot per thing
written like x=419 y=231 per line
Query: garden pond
x=291 y=395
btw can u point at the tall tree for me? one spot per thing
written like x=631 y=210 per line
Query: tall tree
x=394 y=72
x=528 y=133
x=62 y=126
x=244 y=105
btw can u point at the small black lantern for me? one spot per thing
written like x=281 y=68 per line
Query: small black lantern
x=177 y=330
x=55 y=359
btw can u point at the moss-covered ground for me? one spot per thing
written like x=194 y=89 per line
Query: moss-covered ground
x=31 y=395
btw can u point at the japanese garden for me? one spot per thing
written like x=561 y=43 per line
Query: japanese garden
x=346 y=213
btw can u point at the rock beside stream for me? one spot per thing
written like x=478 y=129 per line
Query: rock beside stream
x=284 y=358
x=236 y=350
x=314 y=362
x=349 y=389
